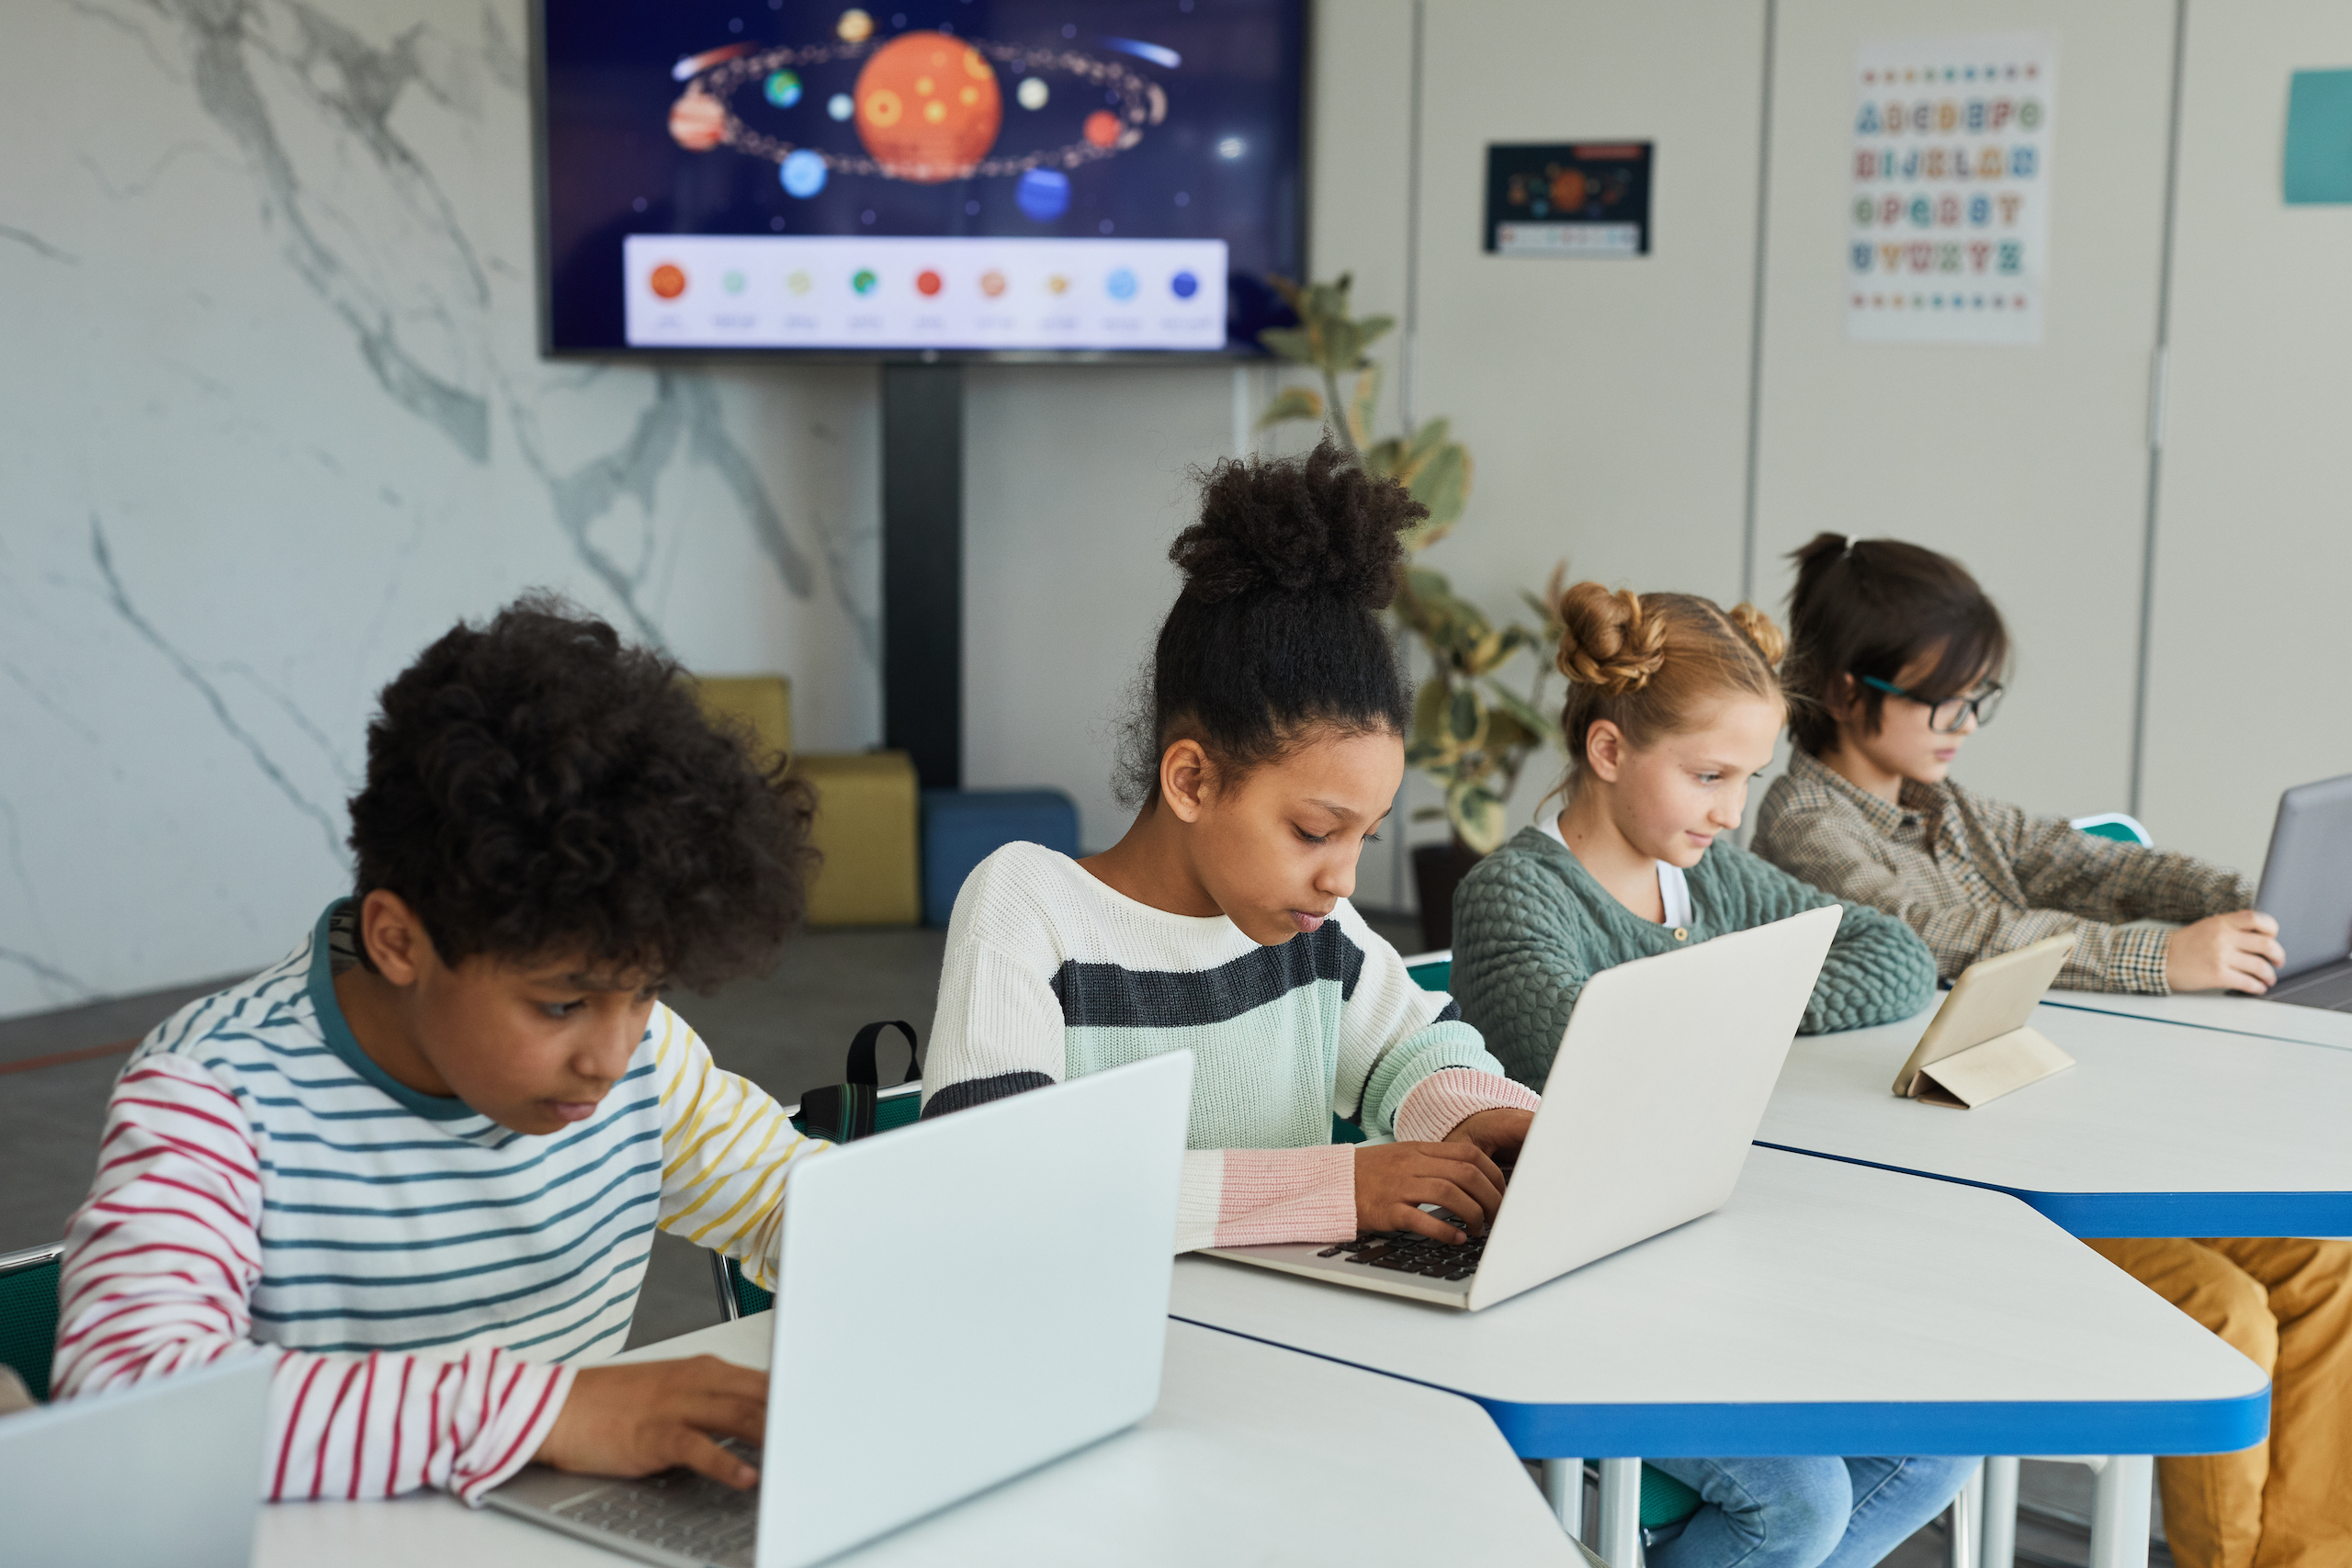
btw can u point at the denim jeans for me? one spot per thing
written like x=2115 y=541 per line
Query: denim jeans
x=1806 y=1512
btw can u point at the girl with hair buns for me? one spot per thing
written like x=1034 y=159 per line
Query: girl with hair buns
x=1268 y=745
x=1674 y=705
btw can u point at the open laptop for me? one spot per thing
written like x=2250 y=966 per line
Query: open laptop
x=958 y=1302
x=165 y=1471
x=1659 y=1084
x=2306 y=888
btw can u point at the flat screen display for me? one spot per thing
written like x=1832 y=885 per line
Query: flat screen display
x=963 y=177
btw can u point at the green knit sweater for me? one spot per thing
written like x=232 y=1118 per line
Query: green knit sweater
x=1531 y=925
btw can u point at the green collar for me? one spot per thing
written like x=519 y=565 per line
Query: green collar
x=343 y=1043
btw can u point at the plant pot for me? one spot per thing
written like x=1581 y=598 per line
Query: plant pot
x=1438 y=870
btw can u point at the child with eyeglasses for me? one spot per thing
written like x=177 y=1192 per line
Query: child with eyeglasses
x=1894 y=651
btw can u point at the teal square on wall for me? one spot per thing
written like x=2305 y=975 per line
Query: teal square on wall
x=2319 y=137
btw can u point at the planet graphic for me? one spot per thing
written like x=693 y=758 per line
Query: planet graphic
x=1121 y=284
x=927 y=107
x=1185 y=285
x=864 y=280
x=669 y=280
x=1057 y=283
x=732 y=282
x=798 y=281
x=698 y=122
x=927 y=283
x=992 y=283
x=803 y=173
x=1042 y=194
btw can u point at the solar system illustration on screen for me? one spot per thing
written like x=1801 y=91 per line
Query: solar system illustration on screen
x=925 y=106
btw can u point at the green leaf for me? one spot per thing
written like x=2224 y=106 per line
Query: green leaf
x=1295 y=344
x=1371 y=329
x=1539 y=724
x=1465 y=715
x=1476 y=814
x=1428 y=812
x=1292 y=402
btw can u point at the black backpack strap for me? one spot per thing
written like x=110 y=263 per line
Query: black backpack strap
x=862 y=1068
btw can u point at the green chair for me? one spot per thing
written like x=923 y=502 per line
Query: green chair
x=2119 y=826
x=896 y=1106
x=1667 y=1504
x=28 y=1313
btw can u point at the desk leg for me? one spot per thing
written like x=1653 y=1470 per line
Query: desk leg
x=1967 y=1521
x=1564 y=1489
x=2000 y=1548
x=2120 y=1512
x=1620 y=1513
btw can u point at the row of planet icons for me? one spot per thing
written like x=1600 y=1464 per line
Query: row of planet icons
x=669 y=281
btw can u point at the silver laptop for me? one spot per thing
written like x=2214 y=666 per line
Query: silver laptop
x=1659 y=1084
x=2306 y=888
x=958 y=1302
x=167 y=1471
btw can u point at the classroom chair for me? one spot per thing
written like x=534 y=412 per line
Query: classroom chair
x=2117 y=825
x=28 y=1313
x=961 y=827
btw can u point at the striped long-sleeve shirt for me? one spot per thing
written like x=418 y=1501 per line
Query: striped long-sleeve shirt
x=1051 y=975
x=426 y=1278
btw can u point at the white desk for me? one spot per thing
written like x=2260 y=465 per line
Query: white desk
x=1827 y=1308
x=2160 y=1130
x=2226 y=1012
x=1255 y=1454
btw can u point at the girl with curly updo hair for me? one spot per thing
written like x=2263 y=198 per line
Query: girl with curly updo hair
x=1674 y=705
x=1267 y=744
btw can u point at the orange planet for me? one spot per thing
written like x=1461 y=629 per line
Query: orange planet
x=928 y=107
x=697 y=122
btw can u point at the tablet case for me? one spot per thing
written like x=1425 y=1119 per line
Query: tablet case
x=1977 y=1047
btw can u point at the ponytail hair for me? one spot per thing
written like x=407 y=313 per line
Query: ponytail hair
x=1647 y=662
x=1876 y=607
x=1277 y=629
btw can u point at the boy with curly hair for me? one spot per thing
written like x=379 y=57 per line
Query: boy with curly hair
x=421 y=1159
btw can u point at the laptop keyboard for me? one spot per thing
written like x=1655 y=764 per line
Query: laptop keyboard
x=1408 y=1253
x=679 y=1511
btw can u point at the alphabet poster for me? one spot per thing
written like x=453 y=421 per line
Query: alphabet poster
x=1949 y=215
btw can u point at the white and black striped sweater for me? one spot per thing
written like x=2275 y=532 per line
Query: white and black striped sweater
x=1051 y=975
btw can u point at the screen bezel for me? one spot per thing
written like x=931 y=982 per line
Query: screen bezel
x=543 y=284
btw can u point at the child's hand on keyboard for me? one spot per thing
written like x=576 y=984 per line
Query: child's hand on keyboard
x=644 y=1416
x=1393 y=1179
x=1499 y=1132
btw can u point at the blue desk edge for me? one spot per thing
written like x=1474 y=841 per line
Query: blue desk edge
x=1667 y=1431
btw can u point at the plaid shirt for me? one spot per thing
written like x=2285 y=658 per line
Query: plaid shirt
x=1976 y=876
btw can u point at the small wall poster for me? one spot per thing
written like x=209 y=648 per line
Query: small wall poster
x=1578 y=198
x=1948 y=218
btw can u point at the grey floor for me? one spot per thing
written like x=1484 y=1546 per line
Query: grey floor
x=787 y=1033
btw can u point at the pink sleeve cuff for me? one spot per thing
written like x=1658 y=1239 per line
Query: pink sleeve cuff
x=1442 y=1101
x=1273 y=1195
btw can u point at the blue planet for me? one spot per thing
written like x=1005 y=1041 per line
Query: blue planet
x=803 y=173
x=1185 y=284
x=1042 y=194
x=783 y=89
x=1121 y=284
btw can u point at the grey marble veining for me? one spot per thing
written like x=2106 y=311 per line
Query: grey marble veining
x=272 y=416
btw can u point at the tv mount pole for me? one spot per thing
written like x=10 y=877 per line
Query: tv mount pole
x=922 y=567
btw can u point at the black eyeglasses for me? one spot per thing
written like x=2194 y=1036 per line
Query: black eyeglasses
x=1944 y=714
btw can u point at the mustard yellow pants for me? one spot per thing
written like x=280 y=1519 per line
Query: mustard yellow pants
x=2287 y=1304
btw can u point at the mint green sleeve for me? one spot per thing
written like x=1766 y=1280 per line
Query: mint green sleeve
x=1521 y=955
x=1393 y=1035
x=1878 y=970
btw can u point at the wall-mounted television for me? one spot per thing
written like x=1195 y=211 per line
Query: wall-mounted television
x=951 y=177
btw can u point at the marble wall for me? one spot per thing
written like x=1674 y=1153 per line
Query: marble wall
x=272 y=416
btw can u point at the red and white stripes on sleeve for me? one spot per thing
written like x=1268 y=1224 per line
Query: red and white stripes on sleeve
x=159 y=1271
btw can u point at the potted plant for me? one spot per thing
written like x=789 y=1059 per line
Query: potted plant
x=1474 y=731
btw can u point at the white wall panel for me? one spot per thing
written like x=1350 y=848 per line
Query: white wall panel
x=2029 y=464
x=2253 y=548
